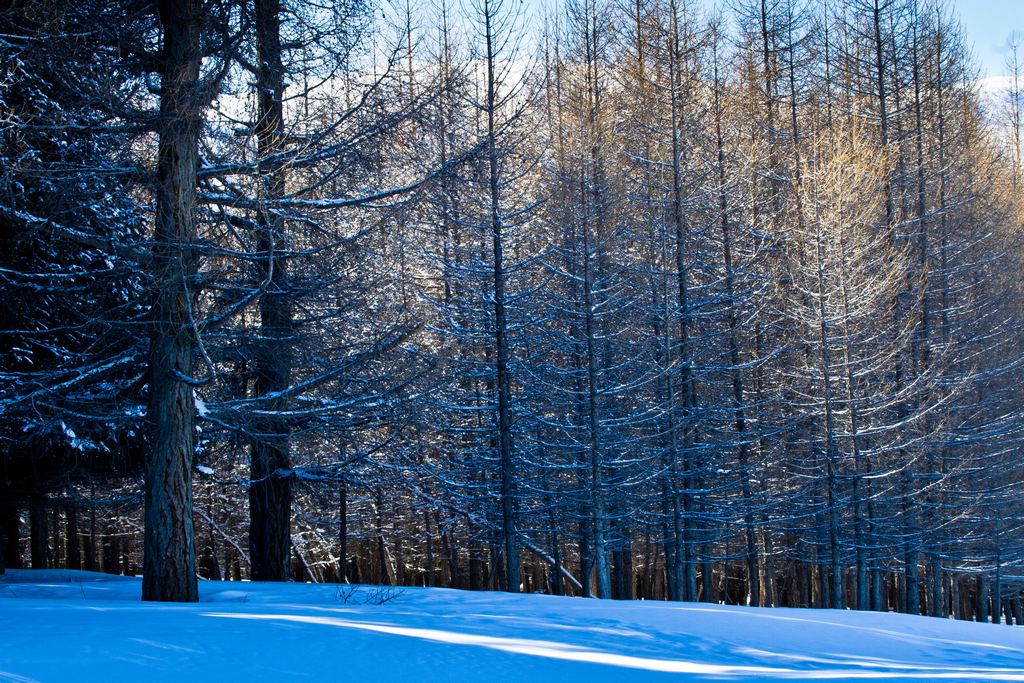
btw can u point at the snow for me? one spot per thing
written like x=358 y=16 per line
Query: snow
x=201 y=408
x=56 y=624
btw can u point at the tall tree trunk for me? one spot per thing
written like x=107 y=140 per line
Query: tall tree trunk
x=591 y=233
x=597 y=486
x=687 y=385
x=922 y=337
x=740 y=420
x=508 y=475
x=861 y=461
x=169 y=571
x=270 y=489
x=831 y=446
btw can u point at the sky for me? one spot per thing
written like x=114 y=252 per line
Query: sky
x=988 y=24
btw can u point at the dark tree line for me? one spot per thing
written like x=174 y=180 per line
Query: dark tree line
x=627 y=300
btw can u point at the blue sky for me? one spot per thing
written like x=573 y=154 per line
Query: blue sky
x=988 y=24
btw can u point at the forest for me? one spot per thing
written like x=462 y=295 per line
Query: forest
x=624 y=299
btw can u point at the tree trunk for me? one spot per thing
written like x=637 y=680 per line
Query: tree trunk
x=687 y=384
x=997 y=587
x=556 y=555
x=90 y=540
x=597 y=486
x=342 y=533
x=270 y=489
x=982 y=597
x=586 y=558
x=73 y=547
x=740 y=420
x=707 y=570
x=169 y=572
x=509 y=532
x=476 y=566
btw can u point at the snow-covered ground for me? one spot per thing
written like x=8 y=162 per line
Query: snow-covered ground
x=62 y=625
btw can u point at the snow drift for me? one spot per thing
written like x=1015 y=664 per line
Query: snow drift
x=60 y=625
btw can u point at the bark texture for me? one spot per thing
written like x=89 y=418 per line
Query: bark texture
x=169 y=566
x=270 y=490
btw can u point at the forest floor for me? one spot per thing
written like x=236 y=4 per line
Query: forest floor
x=58 y=625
